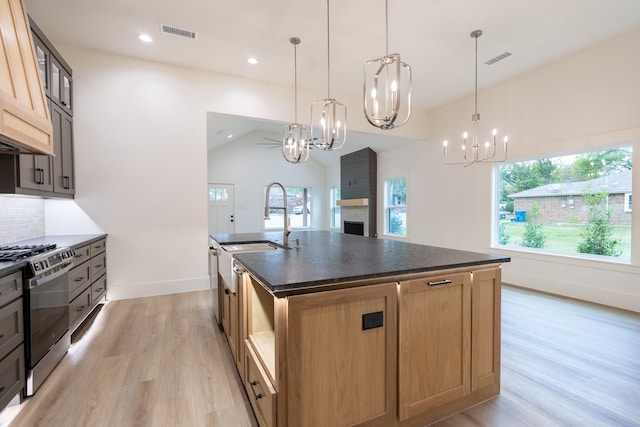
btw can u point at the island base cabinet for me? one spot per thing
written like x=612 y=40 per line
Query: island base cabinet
x=449 y=344
x=341 y=357
x=485 y=333
x=435 y=343
x=259 y=389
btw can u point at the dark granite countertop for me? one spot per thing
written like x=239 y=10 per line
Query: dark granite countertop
x=326 y=258
x=63 y=241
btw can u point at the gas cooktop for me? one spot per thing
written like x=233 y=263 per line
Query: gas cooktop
x=18 y=252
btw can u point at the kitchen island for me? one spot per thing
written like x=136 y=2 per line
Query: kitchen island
x=350 y=330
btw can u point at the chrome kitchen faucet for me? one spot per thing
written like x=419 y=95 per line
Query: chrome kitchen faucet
x=287 y=225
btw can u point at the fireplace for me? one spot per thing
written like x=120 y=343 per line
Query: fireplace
x=354 y=227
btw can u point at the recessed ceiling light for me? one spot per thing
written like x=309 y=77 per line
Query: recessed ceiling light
x=145 y=38
x=252 y=60
x=230 y=136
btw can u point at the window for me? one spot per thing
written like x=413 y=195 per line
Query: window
x=577 y=204
x=335 y=209
x=396 y=207
x=298 y=205
x=218 y=194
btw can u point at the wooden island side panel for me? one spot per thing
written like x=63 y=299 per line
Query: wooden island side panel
x=340 y=374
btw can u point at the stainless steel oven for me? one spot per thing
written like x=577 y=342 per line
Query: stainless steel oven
x=46 y=308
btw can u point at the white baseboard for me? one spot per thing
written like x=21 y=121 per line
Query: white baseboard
x=123 y=290
x=580 y=291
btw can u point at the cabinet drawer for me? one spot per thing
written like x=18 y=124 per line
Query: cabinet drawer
x=83 y=253
x=98 y=289
x=79 y=308
x=98 y=247
x=11 y=332
x=11 y=375
x=261 y=393
x=98 y=266
x=79 y=279
x=10 y=287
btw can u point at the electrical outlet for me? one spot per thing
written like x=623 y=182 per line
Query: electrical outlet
x=372 y=320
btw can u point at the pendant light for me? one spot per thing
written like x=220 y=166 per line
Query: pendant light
x=295 y=137
x=386 y=80
x=328 y=116
x=471 y=152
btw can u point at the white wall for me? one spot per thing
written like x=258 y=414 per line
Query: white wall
x=142 y=169
x=251 y=167
x=141 y=164
x=587 y=100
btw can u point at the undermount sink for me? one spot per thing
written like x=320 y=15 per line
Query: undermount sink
x=250 y=247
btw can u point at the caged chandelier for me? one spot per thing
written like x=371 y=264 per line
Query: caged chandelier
x=295 y=137
x=386 y=80
x=471 y=151
x=328 y=116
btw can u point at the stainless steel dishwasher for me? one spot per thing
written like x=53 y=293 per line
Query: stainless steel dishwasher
x=214 y=283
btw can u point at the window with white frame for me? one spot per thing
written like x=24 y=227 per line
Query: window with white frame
x=396 y=207
x=335 y=209
x=298 y=206
x=576 y=204
x=218 y=194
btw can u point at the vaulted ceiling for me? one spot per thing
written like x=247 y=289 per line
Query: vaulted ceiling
x=433 y=36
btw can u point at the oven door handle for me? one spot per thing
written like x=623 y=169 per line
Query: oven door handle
x=41 y=280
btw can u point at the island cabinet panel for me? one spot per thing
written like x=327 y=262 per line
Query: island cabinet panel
x=341 y=357
x=434 y=342
x=485 y=335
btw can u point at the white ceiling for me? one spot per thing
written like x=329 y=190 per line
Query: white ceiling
x=433 y=36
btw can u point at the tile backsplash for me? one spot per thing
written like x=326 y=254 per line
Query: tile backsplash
x=21 y=218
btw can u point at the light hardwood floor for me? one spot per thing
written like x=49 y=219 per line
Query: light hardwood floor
x=159 y=362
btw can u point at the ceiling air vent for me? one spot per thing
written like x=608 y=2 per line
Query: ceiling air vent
x=170 y=29
x=498 y=58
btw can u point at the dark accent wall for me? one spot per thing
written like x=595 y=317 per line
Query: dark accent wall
x=359 y=179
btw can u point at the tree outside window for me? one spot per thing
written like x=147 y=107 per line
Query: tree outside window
x=396 y=211
x=298 y=204
x=577 y=204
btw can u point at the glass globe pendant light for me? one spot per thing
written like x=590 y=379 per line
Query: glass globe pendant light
x=387 y=87
x=328 y=116
x=295 y=137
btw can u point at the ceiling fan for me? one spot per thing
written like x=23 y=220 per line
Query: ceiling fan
x=277 y=143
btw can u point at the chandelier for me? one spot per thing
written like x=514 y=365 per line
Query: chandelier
x=471 y=151
x=328 y=116
x=386 y=79
x=295 y=137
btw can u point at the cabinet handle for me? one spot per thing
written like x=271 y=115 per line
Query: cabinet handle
x=98 y=290
x=79 y=279
x=80 y=308
x=1 y=336
x=2 y=389
x=39 y=175
x=65 y=182
x=98 y=266
x=253 y=384
x=226 y=291
x=440 y=282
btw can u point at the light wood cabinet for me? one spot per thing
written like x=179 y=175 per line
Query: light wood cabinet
x=449 y=344
x=485 y=330
x=24 y=116
x=435 y=342
x=405 y=353
x=341 y=357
